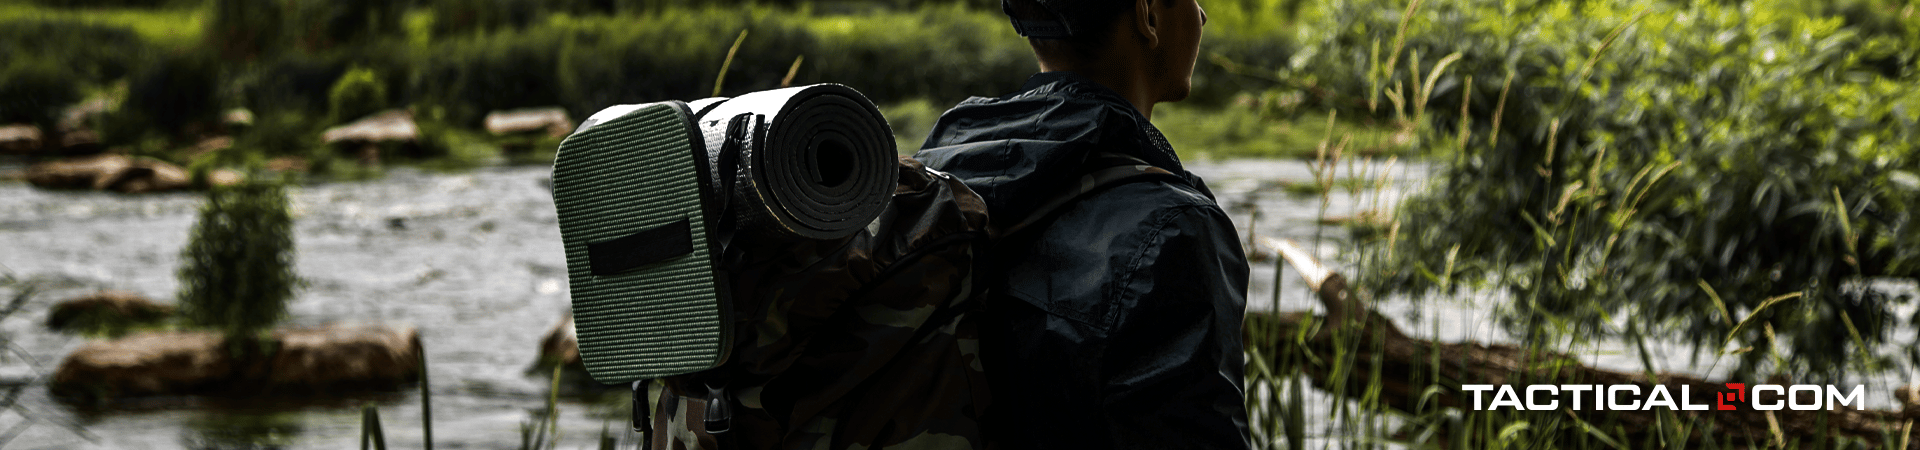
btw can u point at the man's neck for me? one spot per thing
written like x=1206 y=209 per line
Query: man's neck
x=1122 y=77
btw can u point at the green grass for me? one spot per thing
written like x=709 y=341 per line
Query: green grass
x=174 y=28
x=1198 y=133
x=1201 y=134
x=911 y=120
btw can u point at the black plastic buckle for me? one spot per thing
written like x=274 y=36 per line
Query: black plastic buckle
x=642 y=415
x=719 y=410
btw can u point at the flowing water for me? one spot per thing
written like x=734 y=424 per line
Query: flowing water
x=473 y=261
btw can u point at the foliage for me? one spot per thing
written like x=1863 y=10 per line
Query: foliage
x=106 y=3
x=911 y=121
x=293 y=83
x=321 y=25
x=177 y=91
x=285 y=55
x=464 y=17
x=74 y=31
x=35 y=91
x=590 y=63
x=245 y=29
x=1736 y=173
x=83 y=51
x=1200 y=133
x=941 y=53
x=357 y=94
x=236 y=273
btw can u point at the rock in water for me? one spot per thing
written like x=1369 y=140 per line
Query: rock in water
x=560 y=346
x=20 y=139
x=93 y=172
x=343 y=357
x=330 y=360
x=106 y=309
x=552 y=121
x=364 y=137
x=109 y=172
x=145 y=364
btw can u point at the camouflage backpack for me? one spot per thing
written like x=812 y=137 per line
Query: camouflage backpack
x=857 y=341
x=863 y=342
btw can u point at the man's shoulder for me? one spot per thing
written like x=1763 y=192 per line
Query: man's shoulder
x=1145 y=201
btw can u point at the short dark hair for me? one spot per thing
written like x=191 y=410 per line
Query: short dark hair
x=1088 y=21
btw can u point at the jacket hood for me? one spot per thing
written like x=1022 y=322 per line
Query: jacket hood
x=1017 y=149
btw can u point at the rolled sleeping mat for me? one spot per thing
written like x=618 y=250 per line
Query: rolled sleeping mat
x=818 y=162
x=638 y=219
x=645 y=197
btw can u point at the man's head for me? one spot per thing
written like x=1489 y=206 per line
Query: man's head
x=1147 y=46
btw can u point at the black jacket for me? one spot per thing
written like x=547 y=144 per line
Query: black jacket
x=1117 y=325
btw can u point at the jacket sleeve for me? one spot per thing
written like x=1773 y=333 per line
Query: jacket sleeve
x=1172 y=368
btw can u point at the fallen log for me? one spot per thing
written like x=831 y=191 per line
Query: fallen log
x=1409 y=367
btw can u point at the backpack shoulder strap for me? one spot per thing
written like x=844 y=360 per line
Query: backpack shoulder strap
x=1101 y=171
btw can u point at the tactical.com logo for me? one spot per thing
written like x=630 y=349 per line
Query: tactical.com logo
x=1604 y=397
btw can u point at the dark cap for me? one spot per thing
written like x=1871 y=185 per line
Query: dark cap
x=1069 y=17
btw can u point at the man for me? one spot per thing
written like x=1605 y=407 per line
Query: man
x=1117 y=323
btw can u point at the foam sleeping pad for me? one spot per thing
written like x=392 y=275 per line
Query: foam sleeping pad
x=819 y=162
x=647 y=195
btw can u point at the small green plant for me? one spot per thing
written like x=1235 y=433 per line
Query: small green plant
x=372 y=436
x=357 y=94
x=544 y=430
x=236 y=273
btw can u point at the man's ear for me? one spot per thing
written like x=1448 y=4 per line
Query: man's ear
x=1147 y=21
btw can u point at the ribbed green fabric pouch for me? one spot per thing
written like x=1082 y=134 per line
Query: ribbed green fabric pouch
x=647 y=298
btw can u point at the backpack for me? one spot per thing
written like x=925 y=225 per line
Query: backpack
x=855 y=341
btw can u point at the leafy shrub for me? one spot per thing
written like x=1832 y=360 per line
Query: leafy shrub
x=236 y=273
x=943 y=53
x=111 y=3
x=504 y=70
x=358 y=93
x=587 y=63
x=177 y=91
x=293 y=82
x=280 y=133
x=463 y=17
x=321 y=25
x=36 y=91
x=88 y=53
x=1707 y=166
x=245 y=29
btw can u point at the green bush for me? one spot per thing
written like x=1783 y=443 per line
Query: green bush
x=179 y=91
x=464 y=17
x=323 y=25
x=293 y=82
x=943 y=53
x=112 y=3
x=357 y=94
x=1711 y=155
x=86 y=52
x=236 y=272
x=245 y=29
x=36 y=91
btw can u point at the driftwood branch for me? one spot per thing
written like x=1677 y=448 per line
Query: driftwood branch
x=1408 y=367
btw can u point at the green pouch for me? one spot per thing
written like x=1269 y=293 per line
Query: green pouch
x=638 y=220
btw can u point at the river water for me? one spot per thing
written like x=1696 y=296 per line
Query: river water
x=473 y=260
